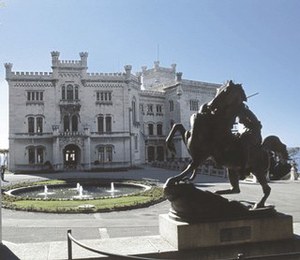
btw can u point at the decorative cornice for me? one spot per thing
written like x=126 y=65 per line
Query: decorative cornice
x=69 y=75
x=104 y=85
x=33 y=85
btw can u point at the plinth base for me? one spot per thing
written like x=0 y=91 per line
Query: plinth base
x=183 y=235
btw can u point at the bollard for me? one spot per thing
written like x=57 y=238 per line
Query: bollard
x=69 y=245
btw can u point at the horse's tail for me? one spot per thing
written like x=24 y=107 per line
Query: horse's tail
x=272 y=143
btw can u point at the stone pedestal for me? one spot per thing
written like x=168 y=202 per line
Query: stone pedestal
x=183 y=235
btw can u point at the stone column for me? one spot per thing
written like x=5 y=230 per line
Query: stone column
x=56 y=152
x=87 y=149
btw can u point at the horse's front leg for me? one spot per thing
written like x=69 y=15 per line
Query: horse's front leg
x=171 y=181
x=234 y=181
x=169 y=140
x=261 y=178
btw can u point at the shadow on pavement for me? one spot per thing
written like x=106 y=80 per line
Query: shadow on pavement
x=6 y=254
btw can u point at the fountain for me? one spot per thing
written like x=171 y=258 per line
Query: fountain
x=76 y=191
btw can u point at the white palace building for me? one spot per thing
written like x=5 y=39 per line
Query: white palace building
x=70 y=118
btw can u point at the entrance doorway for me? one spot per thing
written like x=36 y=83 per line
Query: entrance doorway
x=71 y=156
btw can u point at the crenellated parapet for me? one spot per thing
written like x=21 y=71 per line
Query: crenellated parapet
x=157 y=76
x=26 y=76
x=58 y=64
x=158 y=68
x=113 y=77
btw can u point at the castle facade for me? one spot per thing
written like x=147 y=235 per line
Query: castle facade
x=72 y=119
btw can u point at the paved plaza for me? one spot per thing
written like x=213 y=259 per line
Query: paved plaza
x=32 y=236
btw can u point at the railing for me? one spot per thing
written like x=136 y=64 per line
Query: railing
x=240 y=256
x=279 y=256
x=72 y=239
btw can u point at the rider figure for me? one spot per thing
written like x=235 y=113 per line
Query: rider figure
x=251 y=139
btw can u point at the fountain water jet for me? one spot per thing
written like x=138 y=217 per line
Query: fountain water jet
x=80 y=193
x=45 y=193
x=112 y=188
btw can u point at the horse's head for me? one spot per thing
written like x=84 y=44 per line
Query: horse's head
x=228 y=96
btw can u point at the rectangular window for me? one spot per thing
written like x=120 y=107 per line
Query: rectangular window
x=194 y=105
x=104 y=96
x=35 y=96
x=149 y=108
x=136 y=142
x=158 y=108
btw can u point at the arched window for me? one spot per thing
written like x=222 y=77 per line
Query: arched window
x=39 y=125
x=150 y=129
x=74 y=123
x=76 y=93
x=171 y=105
x=31 y=125
x=160 y=153
x=105 y=154
x=151 y=153
x=100 y=121
x=66 y=123
x=70 y=95
x=159 y=129
x=108 y=124
x=31 y=155
x=40 y=155
x=133 y=106
x=63 y=92
x=109 y=153
x=101 y=154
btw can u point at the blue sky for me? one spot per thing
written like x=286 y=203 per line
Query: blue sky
x=253 y=42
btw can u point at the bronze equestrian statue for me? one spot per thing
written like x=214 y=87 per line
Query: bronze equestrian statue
x=210 y=136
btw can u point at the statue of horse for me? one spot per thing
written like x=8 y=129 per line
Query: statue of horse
x=210 y=136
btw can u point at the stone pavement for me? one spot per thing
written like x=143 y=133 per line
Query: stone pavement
x=285 y=195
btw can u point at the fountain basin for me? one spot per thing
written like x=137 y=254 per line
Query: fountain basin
x=71 y=191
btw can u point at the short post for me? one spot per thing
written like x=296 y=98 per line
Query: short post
x=293 y=172
x=1 y=211
x=69 y=245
